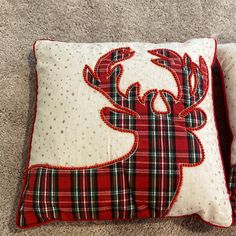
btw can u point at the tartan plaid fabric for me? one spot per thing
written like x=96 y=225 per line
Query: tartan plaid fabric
x=232 y=189
x=144 y=184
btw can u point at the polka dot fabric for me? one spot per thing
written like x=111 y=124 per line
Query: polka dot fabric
x=86 y=142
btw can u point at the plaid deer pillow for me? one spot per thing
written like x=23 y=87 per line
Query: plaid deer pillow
x=124 y=131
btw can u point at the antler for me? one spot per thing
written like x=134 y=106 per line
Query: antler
x=188 y=97
x=106 y=76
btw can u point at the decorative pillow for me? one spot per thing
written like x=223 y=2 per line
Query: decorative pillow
x=124 y=131
x=227 y=58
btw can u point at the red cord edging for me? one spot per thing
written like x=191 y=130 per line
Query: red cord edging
x=31 y=138
x=31 y=133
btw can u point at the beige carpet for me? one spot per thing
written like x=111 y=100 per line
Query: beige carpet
x=23 y=21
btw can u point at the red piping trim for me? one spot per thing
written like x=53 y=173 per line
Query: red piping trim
x=31 y=138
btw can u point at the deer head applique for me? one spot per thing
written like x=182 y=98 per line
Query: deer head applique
x=165 y=141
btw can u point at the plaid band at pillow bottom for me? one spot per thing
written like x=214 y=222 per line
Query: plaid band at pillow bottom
x=70 y=195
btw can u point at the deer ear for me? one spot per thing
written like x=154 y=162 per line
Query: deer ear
x=195 y=119
x=89 y=76
x=116 y=119
x=169 y=100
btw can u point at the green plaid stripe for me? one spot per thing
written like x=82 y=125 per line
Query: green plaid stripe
x=53 y=196
x=76 y=194
x=114 y=119
x=37 y=197
x=131 y=162
x=92 y=193
x=170 y=140
x=115 y=190
x=153 y=138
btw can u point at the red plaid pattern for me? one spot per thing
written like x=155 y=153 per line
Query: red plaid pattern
x=145 y=183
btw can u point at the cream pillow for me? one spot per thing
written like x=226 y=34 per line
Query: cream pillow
x=124 y=131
